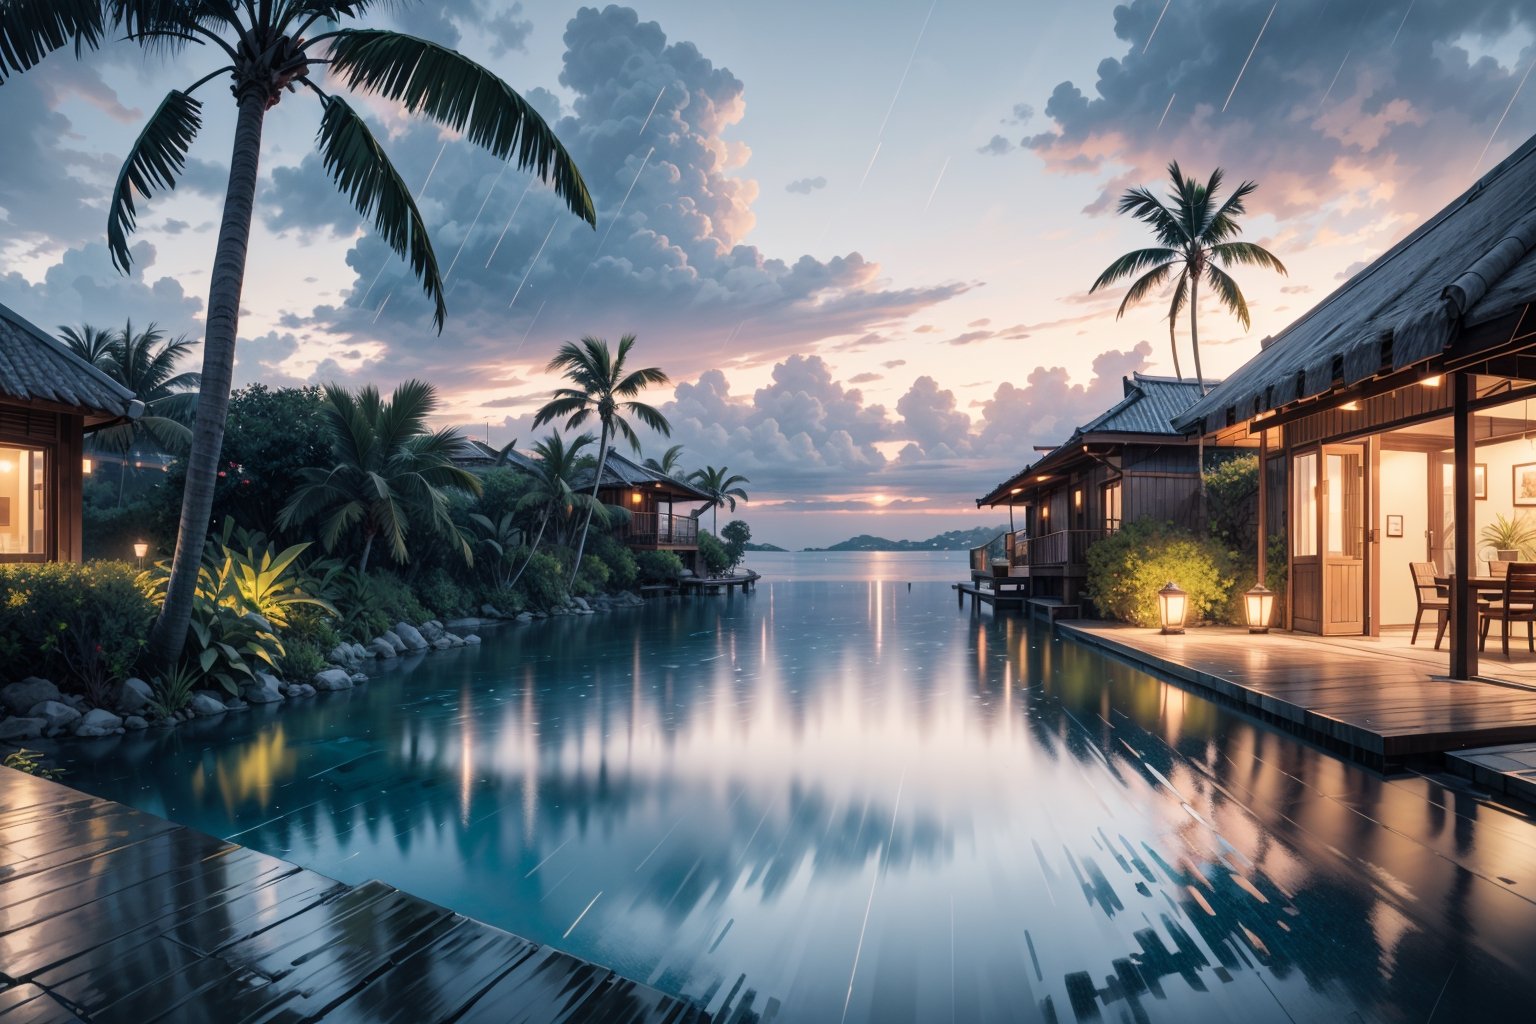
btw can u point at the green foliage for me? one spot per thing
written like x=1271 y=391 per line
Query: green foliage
x=82 y=626
x=1516 y=533
x=302 y=659
x=442 y=596
x=308 y=642
x=31 y=762
x=359 y=603
x=619 y=559
x=1127 y=568
x=658 y=566
x=174 y=689
x=1232 y=503
x=229 y=646
x=396 y=600
x=592 y=578
x=543 y=581
x=716 y=559
x=736 y=534
x=269 y=436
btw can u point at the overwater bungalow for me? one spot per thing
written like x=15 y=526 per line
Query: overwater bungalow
x=1395 y=424
x=49 y=399
x=652 y=499
x=1128 y=463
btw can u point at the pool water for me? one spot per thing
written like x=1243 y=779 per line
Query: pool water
x=850 y=801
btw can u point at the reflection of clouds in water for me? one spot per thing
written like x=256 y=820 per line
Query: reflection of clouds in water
x=726 y=773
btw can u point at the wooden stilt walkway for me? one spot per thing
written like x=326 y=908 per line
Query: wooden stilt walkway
x=1377 y=708
x=706 y=584
x=108 y=914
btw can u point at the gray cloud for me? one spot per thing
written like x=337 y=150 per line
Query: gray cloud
x=805 y=186
x=995 y=146
x=84 y=288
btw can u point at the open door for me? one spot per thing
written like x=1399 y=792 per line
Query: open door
x=1341 y=509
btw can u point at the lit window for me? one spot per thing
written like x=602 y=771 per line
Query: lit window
x=23 y=502
x=1112 y=506
x=1304 y=506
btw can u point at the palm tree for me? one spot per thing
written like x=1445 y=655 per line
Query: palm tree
x=604 y=391
x=389 y=473
x=270 y=51
x=671 y=463
x=145 y=363
x=1195 y=241
x=552 y=495
x=720 y=485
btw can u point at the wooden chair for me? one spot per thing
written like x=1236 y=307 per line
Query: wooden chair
x=1432 y=597
x=1516 y=604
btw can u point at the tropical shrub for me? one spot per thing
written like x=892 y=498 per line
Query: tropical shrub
x=543 y=581
x=81 y=626
x=658 y=566
x=620 y=560
x=592 y=577
x=736 y=534
x=1232 y=503
x=174 y=689
x=716 y=559
x=443 y=597
x=1128 y=568
x=308 y=641
x=228 y=646
x=31 y=762
x=396 y=599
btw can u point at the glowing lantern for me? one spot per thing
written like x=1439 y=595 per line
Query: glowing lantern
x=1260 y=604
x=1172 y=607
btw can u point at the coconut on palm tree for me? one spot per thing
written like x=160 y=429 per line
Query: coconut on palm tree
x=269 y=50
x=723 y=488
x=1196 y=241
x=145 y=362
x=671 y=463
x=390 y=473
x=602 y=390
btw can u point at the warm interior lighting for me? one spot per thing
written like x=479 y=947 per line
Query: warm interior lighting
x=1431 y=382
x=6 y=465
x=87 y=466
x=1172 y=607
x=1350 y=406
x=634 y=499
x=1260 y=605
x=1042 y=476
x=1261 y=417
x=1077 y=499
x=1016 y=490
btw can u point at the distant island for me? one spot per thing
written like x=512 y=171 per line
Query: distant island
x=764 y=547
x=950 y=540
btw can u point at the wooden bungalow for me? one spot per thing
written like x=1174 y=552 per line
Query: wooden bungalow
x=652 y=498
x=1394 y=420
x=1126 y=464
x=49 y=399
x=479 y=457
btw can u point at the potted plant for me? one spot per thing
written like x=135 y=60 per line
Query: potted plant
x=1512 y=537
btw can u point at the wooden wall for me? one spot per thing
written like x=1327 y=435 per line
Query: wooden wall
x=1412 y=402
x=1161 y=483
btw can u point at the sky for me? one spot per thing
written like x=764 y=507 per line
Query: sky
x=861 y=245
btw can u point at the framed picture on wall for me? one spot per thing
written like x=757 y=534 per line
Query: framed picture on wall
x=1525 y=484
x=1480 y=481
x=1394 y=526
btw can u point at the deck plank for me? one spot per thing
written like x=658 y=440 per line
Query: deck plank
x=112 y=915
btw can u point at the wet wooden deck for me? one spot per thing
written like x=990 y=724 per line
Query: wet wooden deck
x=108 y=914
x=1377 y=707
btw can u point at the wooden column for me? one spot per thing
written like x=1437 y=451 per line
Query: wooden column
x=1263 y=504
x=1463 y=600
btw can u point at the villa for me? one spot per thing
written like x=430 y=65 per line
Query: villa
x=49 y=399
x=655 y=524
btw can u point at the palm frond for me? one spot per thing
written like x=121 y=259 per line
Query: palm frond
x=1144 y=286
x=157 y=157
x=1134 y=263
x=650 y=416
x=32 y=29
x=360 y=168
x=1228 y=292
x=455 y=91
x=1247 y=254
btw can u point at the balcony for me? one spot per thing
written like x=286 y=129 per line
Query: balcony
x=1024 y=553
x=660 y=530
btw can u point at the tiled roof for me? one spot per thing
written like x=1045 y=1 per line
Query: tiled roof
x=1148 y=408
x=619 y=471
x=36 y=368
x=1473 y=262
x=478 y=454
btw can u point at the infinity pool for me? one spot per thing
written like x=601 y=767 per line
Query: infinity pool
x=832 y=801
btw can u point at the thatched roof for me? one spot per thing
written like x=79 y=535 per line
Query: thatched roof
x=1472 y=263
x=36 y=370
x=622 y=473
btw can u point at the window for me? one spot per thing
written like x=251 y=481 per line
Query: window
x=1304 y=506
x=23 y=502
x=1112 y=506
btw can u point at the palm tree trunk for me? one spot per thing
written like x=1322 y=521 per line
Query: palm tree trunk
x=586 y=524
x=223 y=324
x=531 y=552
x=362 y=563
x=1201 y=509
x=715 y=520
x=1173 y=345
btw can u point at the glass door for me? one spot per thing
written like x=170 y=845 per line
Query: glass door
x=1341 y=500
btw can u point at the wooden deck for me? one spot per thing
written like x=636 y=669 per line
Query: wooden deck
x=108 y=914
x=708 y=584
x=1378 y=707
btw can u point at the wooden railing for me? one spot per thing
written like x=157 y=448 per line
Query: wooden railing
x=660 y=528
x=1064 y=547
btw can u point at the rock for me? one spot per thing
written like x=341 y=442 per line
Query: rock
x=381 y=648
x=77 y=702
x=432 y=630
x=265 y=689
x=309 y=691
x=393 y=639
x=235 y=704
x=583 y=611
x=59 y=717
x=361 y=652
x=99 y=722
x=442 y=643
x=204 y=703
x=525 y=617
x=490 y=611
x=18 y=697
x=581 y=602
x=471 y=640
x=21 y=728
x=135 y=723
x=410 y=636
x=359 y=677
x=136 y=694
x=333 y=679
x=342 y=654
